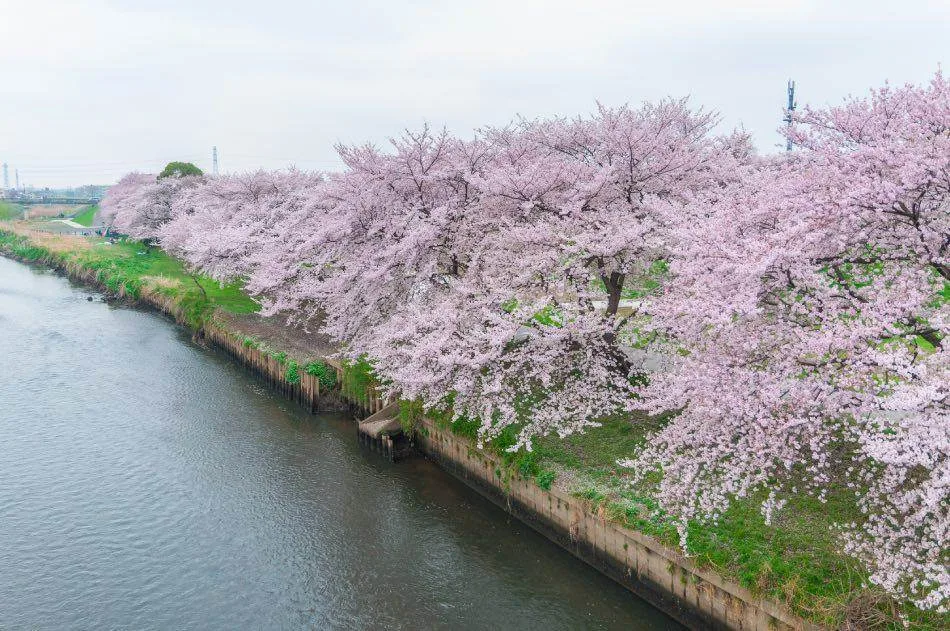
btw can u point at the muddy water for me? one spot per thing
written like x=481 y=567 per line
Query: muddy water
x=148 y=483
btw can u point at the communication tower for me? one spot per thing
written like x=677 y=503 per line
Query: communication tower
x=789 y=110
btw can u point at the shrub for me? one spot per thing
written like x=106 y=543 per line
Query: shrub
x=292 y=375
x=325 y=374
x=545 y=479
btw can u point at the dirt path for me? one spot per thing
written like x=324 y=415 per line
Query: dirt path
x=302 y=345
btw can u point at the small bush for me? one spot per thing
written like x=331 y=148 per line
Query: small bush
x=325 y=374
x=358 y=378
x=409 y=413
x=464 y=426
x=292 y=375
x=545 y=479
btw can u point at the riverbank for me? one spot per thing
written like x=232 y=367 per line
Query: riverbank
x=743 y=573
x=151 y=482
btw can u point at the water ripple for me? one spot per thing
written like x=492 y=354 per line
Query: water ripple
x=147 y=484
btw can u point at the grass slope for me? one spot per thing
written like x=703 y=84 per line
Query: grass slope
x=796 y=560
x=85 y=215
x=10 y=211
x=130 y=268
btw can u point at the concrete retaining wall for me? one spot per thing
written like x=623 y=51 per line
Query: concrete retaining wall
x=307 y=391
x=698 y=598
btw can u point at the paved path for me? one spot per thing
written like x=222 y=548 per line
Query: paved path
x=73 y=224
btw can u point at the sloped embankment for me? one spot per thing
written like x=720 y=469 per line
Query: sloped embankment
x=747 y=576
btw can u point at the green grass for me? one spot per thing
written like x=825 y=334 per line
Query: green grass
x=85 y=215
x=22 y=247
x=10 y=211
x=129 y=267
x=358 y=379
x=324 y=373
x=132 y=260
x=796 y=560
x=292 y=374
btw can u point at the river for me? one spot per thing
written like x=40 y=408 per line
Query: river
x=150 y=483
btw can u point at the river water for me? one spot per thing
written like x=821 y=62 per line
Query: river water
x=149 y=483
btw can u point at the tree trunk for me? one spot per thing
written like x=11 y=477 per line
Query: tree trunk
x=203 y=292
x=614 y=284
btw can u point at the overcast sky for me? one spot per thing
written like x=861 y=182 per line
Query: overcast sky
x=92 y=89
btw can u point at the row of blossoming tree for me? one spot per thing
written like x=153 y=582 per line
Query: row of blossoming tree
x=790 y=310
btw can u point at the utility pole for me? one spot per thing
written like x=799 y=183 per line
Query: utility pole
x=214 y=160
x=6 y=176
x=789 y=110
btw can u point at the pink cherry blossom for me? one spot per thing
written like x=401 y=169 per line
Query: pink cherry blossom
x=791 y=311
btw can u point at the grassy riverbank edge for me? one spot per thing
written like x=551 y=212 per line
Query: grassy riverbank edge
x=795 y=562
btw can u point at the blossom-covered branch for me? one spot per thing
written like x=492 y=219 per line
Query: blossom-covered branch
x=790 y=311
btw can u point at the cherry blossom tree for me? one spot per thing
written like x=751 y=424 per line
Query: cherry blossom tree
x=571 y=216
x=584 y=210
x=490 y=272
x=227 y=225
x=140 y=205
x=806 y=320
x=393 y=230
x=796 y=305
x=118 y=198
